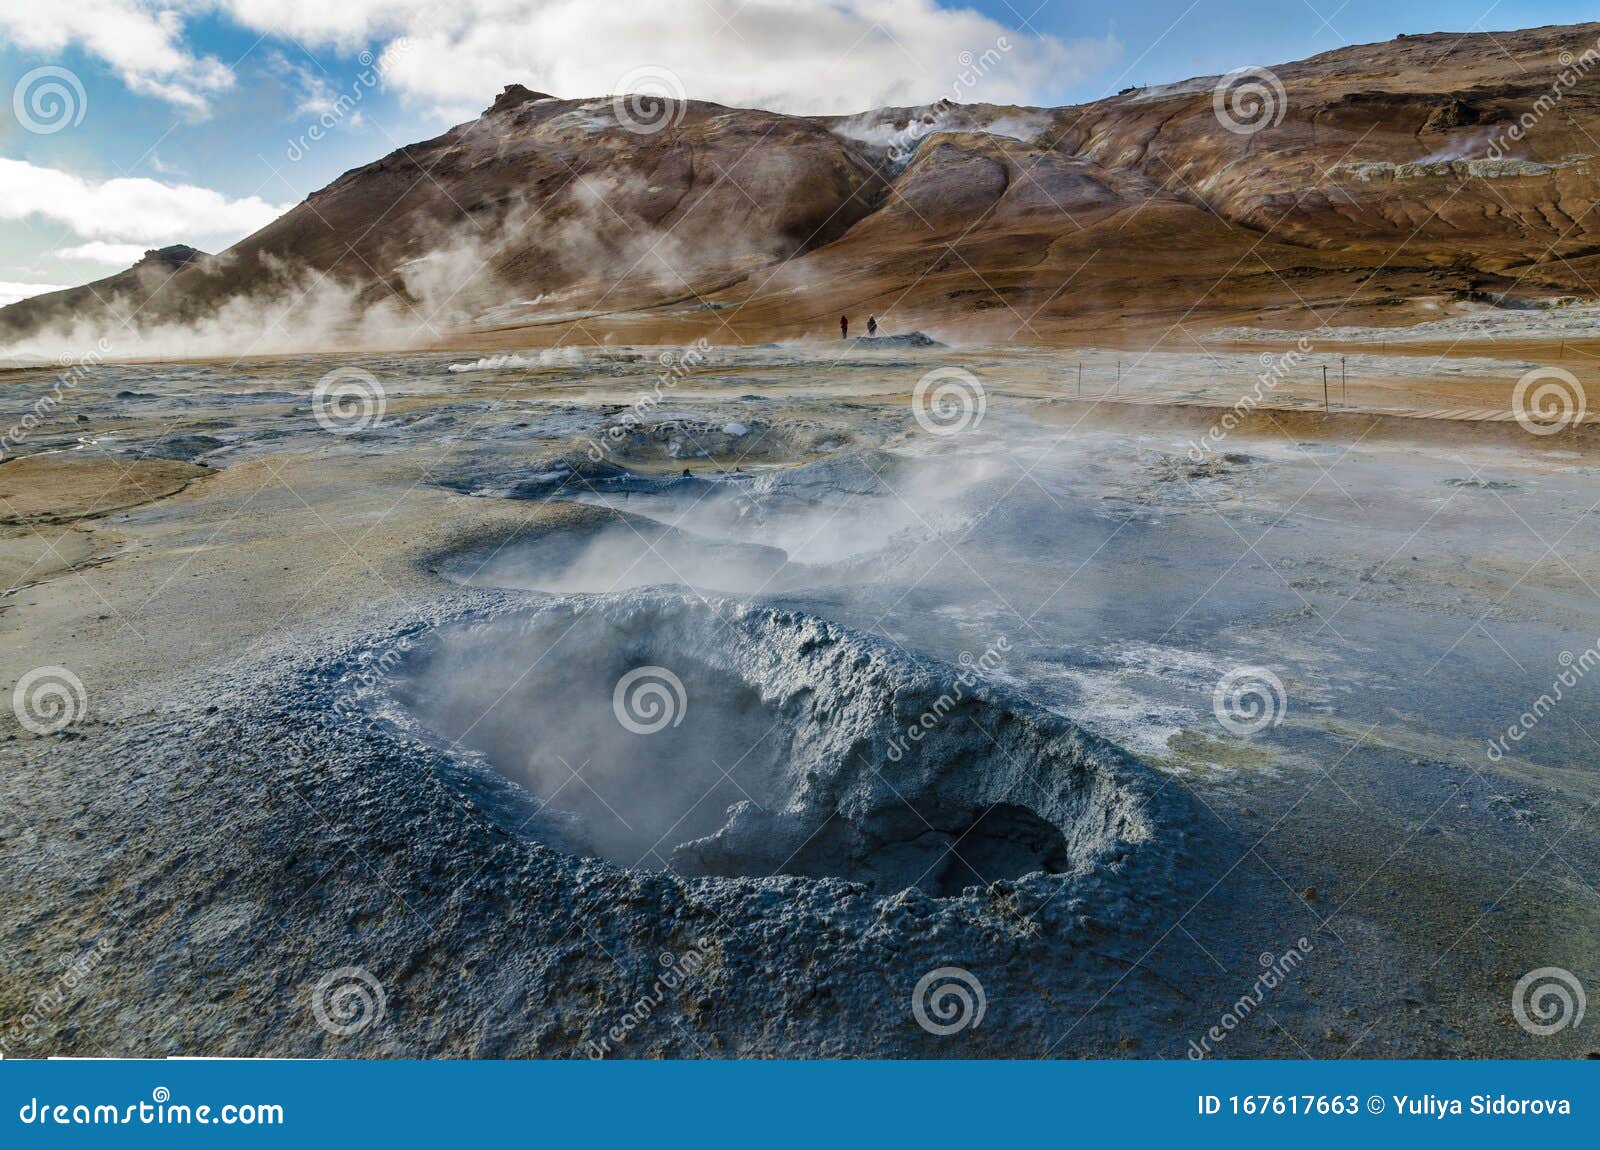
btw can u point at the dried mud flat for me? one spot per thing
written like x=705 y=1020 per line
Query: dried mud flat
x=348 y=704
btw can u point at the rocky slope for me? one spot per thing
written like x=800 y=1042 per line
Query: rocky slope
x=1367 y=185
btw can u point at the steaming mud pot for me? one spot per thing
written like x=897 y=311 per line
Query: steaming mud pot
x=355 y=700
x=502 y=933
x=728 y=741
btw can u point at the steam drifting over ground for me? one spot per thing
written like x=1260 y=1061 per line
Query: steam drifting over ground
x=927 y=698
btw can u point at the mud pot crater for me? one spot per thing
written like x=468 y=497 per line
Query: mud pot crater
x=716 y=738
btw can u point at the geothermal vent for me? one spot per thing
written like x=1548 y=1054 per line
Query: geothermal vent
x=659 y=730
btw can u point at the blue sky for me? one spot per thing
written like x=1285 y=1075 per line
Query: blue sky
x=195 y=113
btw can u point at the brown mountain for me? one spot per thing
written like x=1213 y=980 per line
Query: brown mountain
x=1364 y=185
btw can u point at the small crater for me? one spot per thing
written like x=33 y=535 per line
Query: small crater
x=719 y=739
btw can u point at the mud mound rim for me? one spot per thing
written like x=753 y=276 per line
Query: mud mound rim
x=1145 y=859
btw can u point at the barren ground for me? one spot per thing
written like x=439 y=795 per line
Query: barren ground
x=245 y=803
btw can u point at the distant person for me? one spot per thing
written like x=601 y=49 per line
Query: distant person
x=872 y=325
x=844 y=327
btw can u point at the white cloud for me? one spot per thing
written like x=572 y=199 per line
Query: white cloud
x=140 y=41
x=10 y=293
x=315 y=93
x=100 y=252
x=137 y=210
x=807 y=56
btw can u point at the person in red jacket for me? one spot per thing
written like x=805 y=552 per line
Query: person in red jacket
x=844 y=327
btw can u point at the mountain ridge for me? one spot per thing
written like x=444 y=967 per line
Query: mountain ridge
x=1367 y=193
